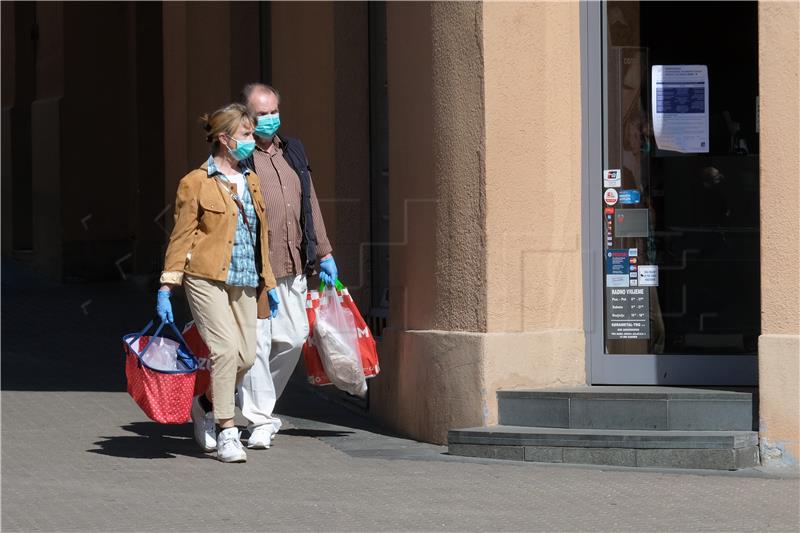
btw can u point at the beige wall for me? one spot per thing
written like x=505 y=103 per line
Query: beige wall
x=495 y=156
x=779 y=344
x=432 y=359
x=320 y=65
x=533 y=196
x=203 y=70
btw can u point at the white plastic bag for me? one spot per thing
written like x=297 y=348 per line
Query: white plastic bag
x=162 y=354
x=336 y=338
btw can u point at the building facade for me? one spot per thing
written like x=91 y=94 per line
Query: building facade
x=532 y=194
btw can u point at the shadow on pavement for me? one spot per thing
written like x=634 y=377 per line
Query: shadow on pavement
x=315 y=433
x=68 y=337
x=151 y=441
x=301 y=400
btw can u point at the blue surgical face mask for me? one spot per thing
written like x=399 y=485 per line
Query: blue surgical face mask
x=244 y=147
x=268 y=125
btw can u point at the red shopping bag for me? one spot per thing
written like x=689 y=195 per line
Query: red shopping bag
x=198 y=347
x=164 y=395
x=366 y=342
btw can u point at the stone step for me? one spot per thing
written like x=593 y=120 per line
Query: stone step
x=645 y=408
x=718 y=450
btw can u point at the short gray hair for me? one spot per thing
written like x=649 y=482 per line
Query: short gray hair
x=250 y=88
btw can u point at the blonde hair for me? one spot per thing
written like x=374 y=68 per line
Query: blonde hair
x=225 y=120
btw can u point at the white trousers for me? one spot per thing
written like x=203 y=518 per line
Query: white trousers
x=279 y=344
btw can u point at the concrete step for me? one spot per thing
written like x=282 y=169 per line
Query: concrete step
x=646 y=408
x=718 y=450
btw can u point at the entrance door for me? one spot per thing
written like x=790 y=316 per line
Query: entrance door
x=671 y=216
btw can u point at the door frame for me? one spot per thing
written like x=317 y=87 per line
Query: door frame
x=611 y=369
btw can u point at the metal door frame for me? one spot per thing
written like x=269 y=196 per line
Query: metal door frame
x=608 y=369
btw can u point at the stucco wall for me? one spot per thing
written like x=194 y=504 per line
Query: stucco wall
x=779 y=345
x=485 y=126
x=533 y=196
x=459 y=171
x=431 y=354
x=230 y=52
x=533 y=165
x=436 y=166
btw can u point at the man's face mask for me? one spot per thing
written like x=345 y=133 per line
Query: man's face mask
x=268 y=125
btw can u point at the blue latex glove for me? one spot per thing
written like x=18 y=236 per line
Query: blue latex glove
x=272 y=295
x=328 y=272
x=164 y=307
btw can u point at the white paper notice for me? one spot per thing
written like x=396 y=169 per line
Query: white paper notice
x=680 y=107
x=617 y=280
x=648 y=275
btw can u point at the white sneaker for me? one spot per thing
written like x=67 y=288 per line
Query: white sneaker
x=260 y=438
x=205 y=432
x=229 y=447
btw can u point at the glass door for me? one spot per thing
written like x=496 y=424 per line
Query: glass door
x=671 y=203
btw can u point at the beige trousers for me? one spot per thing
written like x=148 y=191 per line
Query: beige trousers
x=226 y=319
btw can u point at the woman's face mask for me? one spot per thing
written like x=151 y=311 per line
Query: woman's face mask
x=244 y=147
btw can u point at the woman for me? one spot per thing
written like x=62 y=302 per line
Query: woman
x=219 y=251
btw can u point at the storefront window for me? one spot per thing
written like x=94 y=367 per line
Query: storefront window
x=680 y=179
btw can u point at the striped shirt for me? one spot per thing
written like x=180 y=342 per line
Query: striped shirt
x=280 y=186
x=242 y=271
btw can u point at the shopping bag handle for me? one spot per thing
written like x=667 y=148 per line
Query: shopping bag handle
x=145 y=329
x=157 y=331
x=339 y=286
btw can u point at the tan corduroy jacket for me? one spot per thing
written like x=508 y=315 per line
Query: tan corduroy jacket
x=201 y=243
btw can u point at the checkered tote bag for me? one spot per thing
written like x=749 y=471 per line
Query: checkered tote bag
x=161 y=374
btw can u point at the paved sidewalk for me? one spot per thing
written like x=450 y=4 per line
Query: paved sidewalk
x=89 y=461
x=78 y=455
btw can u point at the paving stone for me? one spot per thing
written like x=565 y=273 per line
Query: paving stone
x=618 y=414
x=541 y=454
x=511 y=453
x=605 y=407
x=543 y=412
x=709 y=415
x=600 y=456
x=710 y=459
x=601 y=438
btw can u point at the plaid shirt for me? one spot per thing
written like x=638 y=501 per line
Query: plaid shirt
x=242 y=271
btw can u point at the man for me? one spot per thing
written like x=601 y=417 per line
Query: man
x=298 y=246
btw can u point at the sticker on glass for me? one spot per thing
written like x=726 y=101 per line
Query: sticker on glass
x=617 y=262
x=610 y=196
x=617 y=280
x=612 y=178
x=629 y=196
x=648 y=275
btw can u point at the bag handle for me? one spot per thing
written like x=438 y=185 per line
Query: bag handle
x=157 y=331
x=237 y=201
x=338 y=284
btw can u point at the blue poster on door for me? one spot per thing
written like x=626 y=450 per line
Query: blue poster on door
x=629 y=196
x=618 y=262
